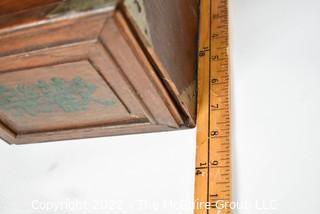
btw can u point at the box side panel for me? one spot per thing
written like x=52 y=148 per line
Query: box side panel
x=168 y=29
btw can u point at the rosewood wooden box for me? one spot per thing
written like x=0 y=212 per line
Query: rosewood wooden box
x=80 y=68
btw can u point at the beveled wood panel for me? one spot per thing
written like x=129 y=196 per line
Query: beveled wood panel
x=96 y=83
x=51 y=34
x=139 y=72
x=56 y=96
x=74 y=69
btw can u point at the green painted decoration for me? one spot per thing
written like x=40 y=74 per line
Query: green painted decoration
x=49 y=96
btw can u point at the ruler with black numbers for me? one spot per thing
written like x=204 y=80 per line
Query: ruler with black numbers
x=213 y=164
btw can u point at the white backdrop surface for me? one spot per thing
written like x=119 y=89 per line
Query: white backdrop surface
x=276 y=104
x=276 y=112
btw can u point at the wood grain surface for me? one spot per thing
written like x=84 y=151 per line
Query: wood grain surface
x=173 y=29
x=13 y=6
x=213 y=165
x=84 y=75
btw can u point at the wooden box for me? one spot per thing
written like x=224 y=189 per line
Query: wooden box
x=80 y=68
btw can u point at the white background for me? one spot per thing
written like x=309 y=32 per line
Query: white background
x=276 y=112
x=276 y=103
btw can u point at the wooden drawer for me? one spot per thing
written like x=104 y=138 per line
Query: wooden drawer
x=76 y=69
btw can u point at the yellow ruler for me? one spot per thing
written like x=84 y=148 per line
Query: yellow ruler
x=213 y=167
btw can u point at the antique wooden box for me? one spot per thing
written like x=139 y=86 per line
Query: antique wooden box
x=80 y=68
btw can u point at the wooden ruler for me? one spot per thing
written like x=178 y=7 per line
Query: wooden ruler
x=213 y=169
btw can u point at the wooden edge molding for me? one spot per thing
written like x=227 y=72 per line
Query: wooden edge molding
x=75 y=6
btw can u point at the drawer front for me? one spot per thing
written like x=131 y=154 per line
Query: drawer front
x=63 y=80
